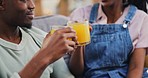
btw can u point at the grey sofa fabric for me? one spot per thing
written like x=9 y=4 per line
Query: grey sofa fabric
x=44 y=22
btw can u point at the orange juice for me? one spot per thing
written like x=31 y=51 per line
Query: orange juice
x=146 y=61
x=56 y=27
x=82 y=32
x=52 y=31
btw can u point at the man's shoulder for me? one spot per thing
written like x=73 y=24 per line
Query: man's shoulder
x=37 y=34
x=35 y=31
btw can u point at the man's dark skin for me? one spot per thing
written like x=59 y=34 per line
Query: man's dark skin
x=19 y=13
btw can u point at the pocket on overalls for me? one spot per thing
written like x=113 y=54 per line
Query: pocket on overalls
x=113 y=51
x=125 y=47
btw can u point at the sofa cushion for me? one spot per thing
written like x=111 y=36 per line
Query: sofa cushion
x=44 y=22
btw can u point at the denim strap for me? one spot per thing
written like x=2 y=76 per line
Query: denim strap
x=129 y=16
x=94 y=13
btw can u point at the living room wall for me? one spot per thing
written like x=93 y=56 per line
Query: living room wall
x=63 y=7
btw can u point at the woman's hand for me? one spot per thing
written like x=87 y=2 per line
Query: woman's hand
x=90 y=28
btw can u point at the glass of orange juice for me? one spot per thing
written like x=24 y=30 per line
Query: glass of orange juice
x=55 y=27
x=82 y=31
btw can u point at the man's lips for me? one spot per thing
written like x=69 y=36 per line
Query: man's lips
x=30 y=16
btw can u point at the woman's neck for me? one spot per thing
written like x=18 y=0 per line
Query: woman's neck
x=113 y=12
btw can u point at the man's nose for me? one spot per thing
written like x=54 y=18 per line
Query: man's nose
x=31 y=4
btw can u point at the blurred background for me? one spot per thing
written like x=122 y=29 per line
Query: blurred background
x=62 y=7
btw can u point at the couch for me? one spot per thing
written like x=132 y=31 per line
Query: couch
x=44 y=22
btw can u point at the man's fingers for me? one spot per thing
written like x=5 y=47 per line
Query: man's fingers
x=70 y=35
x=71 y=46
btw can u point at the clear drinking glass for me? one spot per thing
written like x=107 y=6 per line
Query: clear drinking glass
x=82 y=31
x=55 y=27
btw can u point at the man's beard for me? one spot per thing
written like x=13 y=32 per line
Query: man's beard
x=26 y=25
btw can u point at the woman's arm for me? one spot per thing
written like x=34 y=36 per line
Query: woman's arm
x=136 y=64
x=76 y=63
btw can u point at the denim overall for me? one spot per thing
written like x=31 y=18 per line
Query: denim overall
x=107 y=56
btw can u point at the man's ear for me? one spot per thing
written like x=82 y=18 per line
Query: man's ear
x=1 y=4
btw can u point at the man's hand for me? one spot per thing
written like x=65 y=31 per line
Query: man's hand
x=58 y=44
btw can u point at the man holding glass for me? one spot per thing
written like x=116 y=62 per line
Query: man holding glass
x=22 y=53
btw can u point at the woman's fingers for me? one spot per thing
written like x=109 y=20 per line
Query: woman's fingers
x=90 y=28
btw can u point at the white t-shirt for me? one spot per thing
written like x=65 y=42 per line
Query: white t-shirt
x=13 y=57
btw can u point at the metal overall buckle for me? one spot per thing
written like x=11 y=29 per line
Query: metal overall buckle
x=125 y=24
